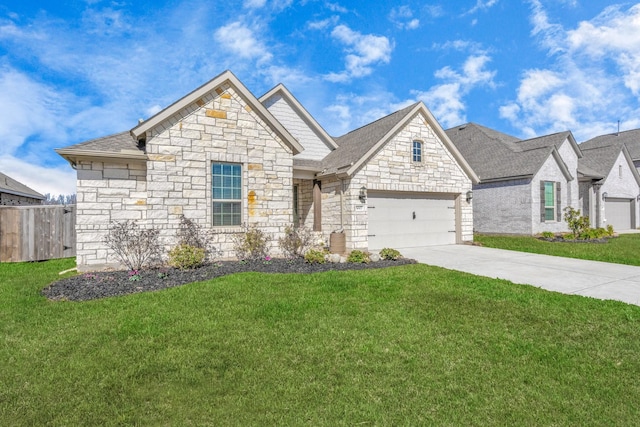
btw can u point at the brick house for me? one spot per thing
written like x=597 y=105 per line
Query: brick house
x=609 y=180
x=224 y=158
x=525 y=185
x=15 y=193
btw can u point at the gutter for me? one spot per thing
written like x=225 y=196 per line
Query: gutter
x=72 y=155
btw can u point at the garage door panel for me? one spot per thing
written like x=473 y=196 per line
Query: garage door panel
x=618 y=213
x=399 y=220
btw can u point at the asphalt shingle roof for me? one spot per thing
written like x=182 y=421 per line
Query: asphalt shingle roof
x=630 y=138
x=111 y=143
x=596 y=162
x=494 y=155
x=10 y=185
x=355 y=144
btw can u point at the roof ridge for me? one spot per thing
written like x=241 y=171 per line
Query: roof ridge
x=410 y=107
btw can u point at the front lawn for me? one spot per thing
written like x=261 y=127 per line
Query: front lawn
x=624 y=249
x=408 y=345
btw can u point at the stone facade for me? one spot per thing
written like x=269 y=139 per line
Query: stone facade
x=177 y=178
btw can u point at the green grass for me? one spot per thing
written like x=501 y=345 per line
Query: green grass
x=624 y=249
x=411 y=345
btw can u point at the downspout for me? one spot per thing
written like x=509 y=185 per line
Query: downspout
x=598 y=207
x=341 y=204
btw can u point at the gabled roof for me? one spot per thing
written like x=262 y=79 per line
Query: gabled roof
x=554 y=139
x=496 y=156
x=597 y=161
x=302 y=112
x=630 y=138
x=226 y=77
x=11 y=186
x=358 y=146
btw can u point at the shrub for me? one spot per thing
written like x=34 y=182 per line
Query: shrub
x=357 y=256
x=577 y=223
x=315 y=256
x=610 y=230
x=390 y=254
x=134 y=246
x=548 y=235
x=251 y=244
x=296 y=241
x=185 y=257
x=192 y=234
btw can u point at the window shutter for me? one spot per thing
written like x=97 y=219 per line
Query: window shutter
x=558 y=202
x=541 y=201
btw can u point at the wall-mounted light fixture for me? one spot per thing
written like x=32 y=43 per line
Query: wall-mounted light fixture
x=604 y=195
x=469 y=196
x=363 y=194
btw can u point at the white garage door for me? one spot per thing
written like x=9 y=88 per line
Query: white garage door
x=618 y=213
x=402 y=220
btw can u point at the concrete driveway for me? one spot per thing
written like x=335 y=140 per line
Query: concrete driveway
x=570 y=276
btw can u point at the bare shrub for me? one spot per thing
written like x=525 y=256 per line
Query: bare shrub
x=251 y=244
x=296 y=241
x=134 y=246
x=193 y=235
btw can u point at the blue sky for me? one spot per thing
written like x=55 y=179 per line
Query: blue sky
x=75 y=70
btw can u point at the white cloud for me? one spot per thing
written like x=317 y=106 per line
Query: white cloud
x=54 y=180
x=363 y=51
x=325 y=23
x=335 y=7
x=482 y=5
x=254 y=4
x=593 y=78
x=239 y=39
x=446 y=100
x=403 y=18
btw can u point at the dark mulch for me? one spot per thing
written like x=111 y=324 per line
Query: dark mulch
x=90 y=286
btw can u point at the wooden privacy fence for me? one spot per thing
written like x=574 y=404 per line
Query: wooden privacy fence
x=37 y=233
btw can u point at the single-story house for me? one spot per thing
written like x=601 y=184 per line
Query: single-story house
x=609 y=181
x=224 y=158
x=15 y=193
x=524 y=185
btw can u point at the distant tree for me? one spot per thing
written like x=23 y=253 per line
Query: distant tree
x=60 y=199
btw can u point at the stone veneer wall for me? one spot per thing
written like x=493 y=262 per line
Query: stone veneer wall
x=106 y=192
x=393 y=169
x=220 y=127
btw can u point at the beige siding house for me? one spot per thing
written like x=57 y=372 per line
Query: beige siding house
x=224 y=158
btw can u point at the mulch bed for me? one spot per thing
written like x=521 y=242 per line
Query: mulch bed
x=88 y=286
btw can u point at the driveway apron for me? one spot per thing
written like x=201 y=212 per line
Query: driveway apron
x=595 y=279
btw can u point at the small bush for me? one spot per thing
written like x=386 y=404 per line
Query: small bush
x=296 y=241
x=251 y=244
x=135 y=247
x=610 y=230
x=357 y=256
x=548 y=235
x=315 y=256
x=192 y=234
x=390 y=254
x=186 y=257
x=577 y=223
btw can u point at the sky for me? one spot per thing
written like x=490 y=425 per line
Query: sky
x=74 y=70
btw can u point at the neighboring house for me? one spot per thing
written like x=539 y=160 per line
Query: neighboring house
x=225 y=159
x=524 y=185
x=15 y=193
x=609 y=180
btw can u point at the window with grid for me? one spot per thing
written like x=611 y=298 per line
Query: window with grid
x=549 y=201
x=417 y=151
x=227 y=194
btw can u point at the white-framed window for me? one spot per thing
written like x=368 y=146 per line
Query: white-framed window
x=227 y=194
x=417 y=151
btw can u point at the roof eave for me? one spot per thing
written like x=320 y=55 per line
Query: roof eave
x=21 y=194
x=505 y=178
x=72 y=156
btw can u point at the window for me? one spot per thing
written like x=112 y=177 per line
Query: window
x=227 y=194
x=417 y=151
x=549 y=201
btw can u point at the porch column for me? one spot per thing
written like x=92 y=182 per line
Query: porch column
x=317 y=205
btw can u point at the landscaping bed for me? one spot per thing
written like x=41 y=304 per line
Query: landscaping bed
x=90 y=286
